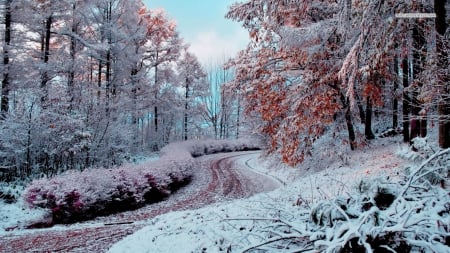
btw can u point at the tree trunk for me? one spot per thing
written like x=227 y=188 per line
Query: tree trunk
x=443 y=78
x=186 y=110
x=362 y=113
x=29 y=141
x=351 y=131
x=349 y=122
x=107 y=80
x=46 y=53
x=99 y=81
x=406 y=99
x=368 y=121
x=238 y=117
x=4 y=104
x=418 y=121
x=222 y=111
x=395 y=100
x=71 y=74
x=345 y=100
x=134 y=116
x=108 y=58
x=156 y=96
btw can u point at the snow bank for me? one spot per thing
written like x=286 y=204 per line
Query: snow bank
x=408 y=216
x=75 y=196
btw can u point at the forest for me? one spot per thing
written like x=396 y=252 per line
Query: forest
x=89 y=88
x=100 y=82
x=325 y=67
x=96 y=83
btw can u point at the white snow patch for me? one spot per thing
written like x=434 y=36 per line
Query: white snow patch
x=17 y=215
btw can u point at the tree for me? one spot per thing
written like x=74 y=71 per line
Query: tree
x=164 y=48
x=293 y=78
x=222 y=107
x=4 y=101
x=406 y=99
x=212 y=111
x=442 y=75
x=71 y=67
x=311 y=64
x=418 y=112
x=192 y=79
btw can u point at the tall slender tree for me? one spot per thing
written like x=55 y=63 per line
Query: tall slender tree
x=4 y=104
x=418 y=113
x=165 y=47
x=193 y=80
x=443 y=75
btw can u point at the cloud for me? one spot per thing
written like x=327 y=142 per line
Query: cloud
x=210 y=46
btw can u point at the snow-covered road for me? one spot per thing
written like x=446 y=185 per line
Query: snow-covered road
x=220 y=177
x=246 y=225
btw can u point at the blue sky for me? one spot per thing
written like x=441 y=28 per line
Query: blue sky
x=201 y=23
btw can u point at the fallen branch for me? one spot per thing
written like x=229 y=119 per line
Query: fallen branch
x=309 y=243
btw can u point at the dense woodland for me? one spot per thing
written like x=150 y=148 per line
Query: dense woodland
x=318 y=68
x=94 y=83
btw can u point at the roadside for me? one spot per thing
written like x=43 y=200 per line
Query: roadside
x=216 y=180
x=235 y=225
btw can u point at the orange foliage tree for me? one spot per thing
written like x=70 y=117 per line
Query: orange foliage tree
x=308 y=65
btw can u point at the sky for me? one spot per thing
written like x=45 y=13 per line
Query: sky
x=202 y=25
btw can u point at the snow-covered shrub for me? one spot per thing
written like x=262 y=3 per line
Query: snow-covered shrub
x=74 y=195
x=406 y=214
x=10 y=191
x=390 y=132
x=419 y=150
x=435 y=170
x=412 y=216
x=208 y=147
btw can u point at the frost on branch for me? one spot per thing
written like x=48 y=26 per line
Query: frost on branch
x=75 y=195
x=410 y=216
x=406 y=214
x=348 y=72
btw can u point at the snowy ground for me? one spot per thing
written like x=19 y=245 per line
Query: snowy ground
x=16 y=215
x=237 y=225
x=216 y=179
x=240 y=224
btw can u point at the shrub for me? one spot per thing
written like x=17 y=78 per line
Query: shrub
x=412 y=215
x=10 y=192
x=75 y=196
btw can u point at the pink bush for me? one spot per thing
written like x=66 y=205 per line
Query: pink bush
x=75 y=195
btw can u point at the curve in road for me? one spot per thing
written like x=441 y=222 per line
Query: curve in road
x=222 y=178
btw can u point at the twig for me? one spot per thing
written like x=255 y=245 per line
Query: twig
x=275 y=240
x=119 y=223
x=412 y=177
x=264 y=219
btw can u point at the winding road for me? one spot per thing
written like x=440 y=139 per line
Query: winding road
x=219 y=178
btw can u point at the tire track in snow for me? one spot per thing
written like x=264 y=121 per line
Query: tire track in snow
x=225 y=180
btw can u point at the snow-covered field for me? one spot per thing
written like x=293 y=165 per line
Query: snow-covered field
x=238 y=225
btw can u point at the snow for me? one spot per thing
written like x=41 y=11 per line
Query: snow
x=237 y=225
x=16 y=215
